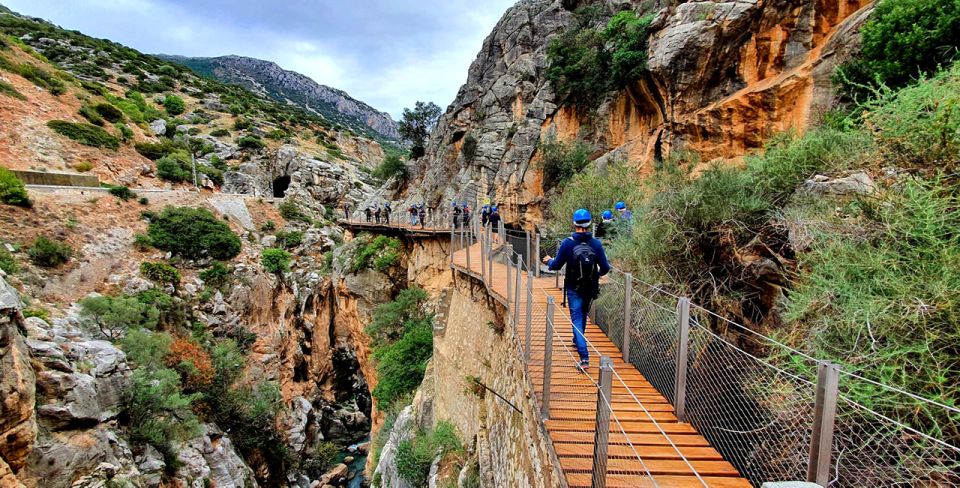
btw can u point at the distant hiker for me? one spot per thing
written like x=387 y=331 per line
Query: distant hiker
x=606 y=226
x=386 y=213
x=368 y=213
x=423 y=215
x=494 y=223
x=485 y=214
x=346 y=211
x=376 y=213
x=456 y=215
x=466 y=215
x=586 y=263
x=625 y=215
x=413 y=214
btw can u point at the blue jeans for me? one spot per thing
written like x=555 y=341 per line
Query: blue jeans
x=579 y=307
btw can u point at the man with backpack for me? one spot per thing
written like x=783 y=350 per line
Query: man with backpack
x=423 y=215
x=368 y=213
x=386 y=213
x=456 y=215
x=494 y=220
x=376 y=213
x=413 y=214
x=466 y=215
x=485 y=214
x=586 y=262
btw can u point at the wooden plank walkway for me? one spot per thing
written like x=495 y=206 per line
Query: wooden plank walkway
x=396 y=226
x=650 y=428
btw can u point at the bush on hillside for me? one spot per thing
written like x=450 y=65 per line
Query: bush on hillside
x=217 y=275
x=174 y=105
x=42 y=78
x=379 y=253
x=596 y=191
x=220 y=132
x=390 y=319
x=242 y=124
x=401 y=365
x=7 y=262
x=159 y=412
x=49 y=253
x=289 y=239
x=415 y=456
x=112 y=317
x=109 y=112
x=122 y=192
x=391 y=167
x=157 y=150
x=193 y=233
x=276 y=261
x=904 y=40
x=10 y=91
x=289 y=210
x=91 y=115
x=160 y=273
x=250 y=142
x=12 y=190
x=86 y=134
x=469 y=148
x=561 y=160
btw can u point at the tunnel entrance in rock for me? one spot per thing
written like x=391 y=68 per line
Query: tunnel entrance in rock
x=280 y=185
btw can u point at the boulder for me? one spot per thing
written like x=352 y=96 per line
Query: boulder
x=158 y=127
x=859 y=183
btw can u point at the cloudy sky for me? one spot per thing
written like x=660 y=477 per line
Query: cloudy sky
x=388 y=53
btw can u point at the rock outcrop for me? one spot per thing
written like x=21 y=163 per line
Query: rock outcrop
x=723 y=77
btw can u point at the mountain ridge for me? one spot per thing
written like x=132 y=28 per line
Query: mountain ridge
x=269 y=79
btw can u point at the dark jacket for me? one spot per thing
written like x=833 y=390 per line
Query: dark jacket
x=565 y=254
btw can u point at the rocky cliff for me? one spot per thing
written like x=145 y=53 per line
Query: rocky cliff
x=722 y=78
x=268 y=79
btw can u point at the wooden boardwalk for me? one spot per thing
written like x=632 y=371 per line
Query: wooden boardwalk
x=655 y=436
x=396 y=226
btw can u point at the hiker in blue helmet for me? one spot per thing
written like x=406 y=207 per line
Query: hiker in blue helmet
x=625 y=214
x=456 y=214
x=586 y=262
x=605 y=226
x=494 y=219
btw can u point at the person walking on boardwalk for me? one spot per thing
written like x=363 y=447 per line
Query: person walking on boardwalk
x=456 y=215
x=586 y=262
x=466 y=215
x=485 y=214
x=386 y=213
x=376 y=213
x=413 y=214
x=368 y=213
x=606 y=226
x=494 y=220
x=346 y=211
x=423 y=215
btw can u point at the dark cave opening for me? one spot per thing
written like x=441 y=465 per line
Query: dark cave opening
x=280 y=185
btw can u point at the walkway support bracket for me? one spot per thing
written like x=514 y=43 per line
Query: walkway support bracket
x=601 y=436
x=824 y=417
x=547 y=361
x=683 y=344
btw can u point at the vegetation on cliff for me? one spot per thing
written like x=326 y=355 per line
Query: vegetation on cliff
x=401 y=334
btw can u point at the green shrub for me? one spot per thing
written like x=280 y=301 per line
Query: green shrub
x=290 y=239
x=143 y=201
x=379 y=253
x=391 y=167
x=903 y=40
x=193 y=233
x=596 y=191
x=40 y=313
x=215 y=175
x=560 y=160
x=7 y=262
x=90 y=114
x=175 y=167
x=250 y=142
x=12 y=190
x=83 y=166
x=217 y=275
x=415 y=456
x=157 y=150
x=402 y=334
x=122 y=192
x=268 y=226
x=112 y=317
x=289 y=210
x=49 y=253
x=174 y=105
x=160 y=413
x=320 y=459
x=469 y=148
x=109 y=112
x=161 y=273
x=275 y=260
x=278 y=135
x=173 y=312
x=42 y=79
x=126 y=133
x=10 y=91
x=390 y=319
x=86 y=134
x=919 y=126
x=220 y=132
x=242 y=124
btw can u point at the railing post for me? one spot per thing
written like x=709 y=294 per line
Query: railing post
x=601 y=436
x=469 y=247
x=509 y=266
x=529 y=331
x=516 y=292
x=680 y=383
x=530 y=259
x=451 y=246
x=627 y=315
x=536 y=253
x=824 y=415
x=547 y=361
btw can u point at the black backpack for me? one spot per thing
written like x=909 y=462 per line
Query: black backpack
x=583 y=272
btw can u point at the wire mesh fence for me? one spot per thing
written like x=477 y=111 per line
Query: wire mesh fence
x=755 y=400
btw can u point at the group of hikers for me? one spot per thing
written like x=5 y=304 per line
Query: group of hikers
x=583 y=255
x=377 y=213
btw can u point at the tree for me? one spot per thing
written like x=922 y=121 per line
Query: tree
x=275 y=260
x=417 y=124
x=114 y=316
x=174 y=105
x=12 y=190
x=193 y=233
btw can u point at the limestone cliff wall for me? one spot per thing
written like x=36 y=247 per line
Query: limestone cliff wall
x=723 y=77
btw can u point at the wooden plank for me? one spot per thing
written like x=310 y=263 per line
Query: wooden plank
x=629 y=427
x=653 y=466
x=645 y=452
x=622 y=480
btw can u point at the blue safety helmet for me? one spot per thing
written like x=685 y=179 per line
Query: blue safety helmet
x=607 y=215
x=582 y=218
x=620 y=206
x=494 y=209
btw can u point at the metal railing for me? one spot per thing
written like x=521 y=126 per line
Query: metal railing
x=773 y=412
